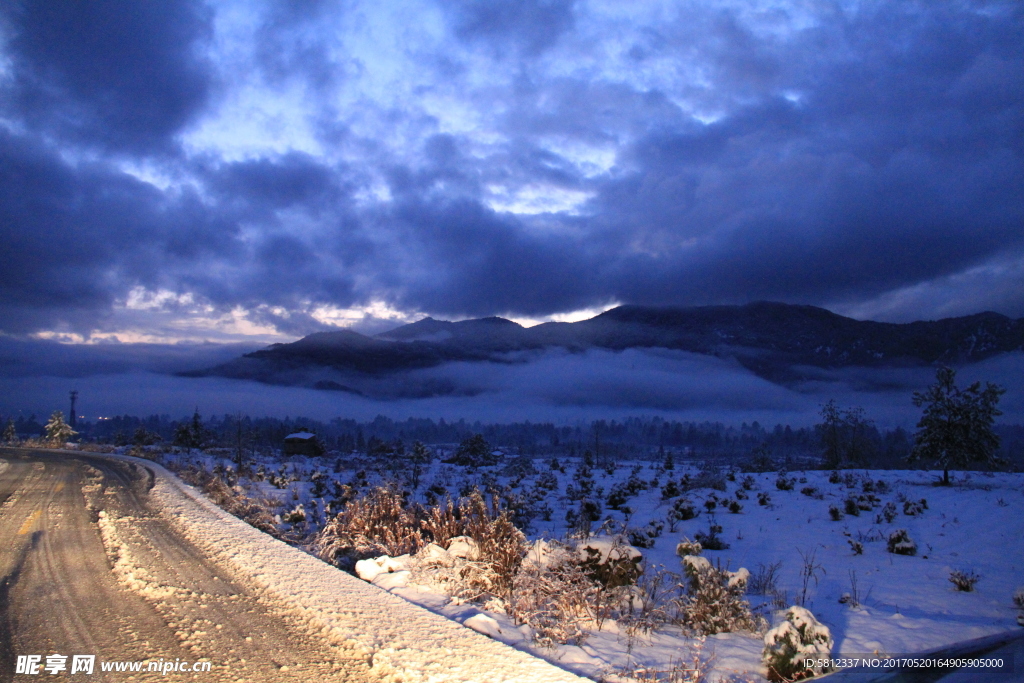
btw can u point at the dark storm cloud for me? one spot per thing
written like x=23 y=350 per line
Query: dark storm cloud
x=265 y=184
x=75 y=237
x=896 y=159
x=121 y=74
x=839 y=159
x=500 y=267
x=899 y=162
x=530 y=25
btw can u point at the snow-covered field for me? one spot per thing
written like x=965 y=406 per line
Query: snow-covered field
x=835 y=563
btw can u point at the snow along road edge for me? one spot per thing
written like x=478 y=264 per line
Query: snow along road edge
x=403 y=642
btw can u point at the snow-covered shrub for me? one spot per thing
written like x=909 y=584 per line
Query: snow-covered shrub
x=734 y=507
x=963 y=581
x=900 y=543
x=811 y=492
x=682 y=509
x=382 y=523
x=834 y=477
x=644 y=538
x=784 y=483
x=850 y=507
x=741 y=494
x=1018 y=597
x=834 y=512
x=867 y=502
x=764 y=499
x=319 y=480
x=440 y=523
x=609 y=561
x=634 y=484
x=711 y=503
x=546 y=481
x=614 y=568
x=709 y=477
x=580 y=519
x=912 y=508
x=521 y=509
x=296 y=515
x=856 y=546
x=711 y=540
x=788 y=646
x=502 y=545
x=687 y=547
x=617 y=497
x=378 y=523
x=640 y=538
x=552 y=594
x=713 y=601
x=748 y=483
x=280 y=479
x=648 y=601
x=881 y=486
x=520 y=466
x=889 y=512
x=670 y=490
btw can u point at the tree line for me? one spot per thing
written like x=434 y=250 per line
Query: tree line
x=956 y=428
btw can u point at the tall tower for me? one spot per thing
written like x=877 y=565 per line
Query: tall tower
x=74 y=397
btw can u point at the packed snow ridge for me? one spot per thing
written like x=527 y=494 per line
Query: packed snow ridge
x=402 y=641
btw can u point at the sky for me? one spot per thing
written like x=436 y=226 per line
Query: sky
x=248 y=171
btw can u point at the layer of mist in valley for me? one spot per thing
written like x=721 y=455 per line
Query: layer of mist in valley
x=553 y=386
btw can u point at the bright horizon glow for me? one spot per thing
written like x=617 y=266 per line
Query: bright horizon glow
x=235 y=326
x=570 y=317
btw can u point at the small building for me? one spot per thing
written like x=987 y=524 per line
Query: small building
x=303 y=443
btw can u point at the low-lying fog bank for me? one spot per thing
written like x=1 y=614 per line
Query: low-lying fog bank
x=555 y=386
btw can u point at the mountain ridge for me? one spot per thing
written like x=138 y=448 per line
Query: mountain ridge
x=774 y=340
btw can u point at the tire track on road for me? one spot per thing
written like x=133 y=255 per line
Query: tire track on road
x=98 y=571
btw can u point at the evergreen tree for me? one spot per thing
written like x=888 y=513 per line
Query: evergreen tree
x=845 y=437
x=829 y=431
x=144 y=437
x=58 y=432
x=10 y=431
x=420 y=453
x=956 y=427
x=191 y=434
x=474 y=452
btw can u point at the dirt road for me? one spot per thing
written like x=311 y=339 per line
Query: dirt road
x=88 y=567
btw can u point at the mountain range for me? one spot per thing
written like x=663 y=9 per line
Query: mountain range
x=777 y=341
